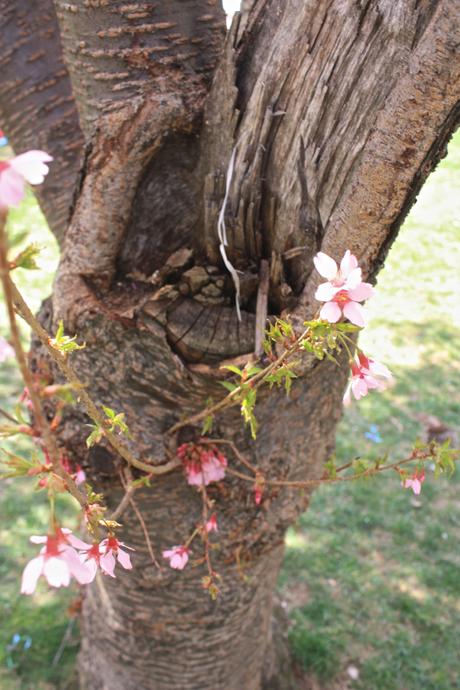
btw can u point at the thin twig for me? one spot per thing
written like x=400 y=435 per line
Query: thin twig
x=262 y=307
x=129 y=491
x=65 y=639
x=301 y=484
x=39 y=416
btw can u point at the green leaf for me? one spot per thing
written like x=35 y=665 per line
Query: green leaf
x=26 y=258
x=247 y=410
x=95 y=436
x=229 y=385
x=347 y=327
x=252 y=371
x=207 y=424
x=233 y=369
x=331 y=358
x=64 y=343
x=331 y=468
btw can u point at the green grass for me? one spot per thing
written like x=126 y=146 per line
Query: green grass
x=23 y=512
x=371 y=576
x=378 y=572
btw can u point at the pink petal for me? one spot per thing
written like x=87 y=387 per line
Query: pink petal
x=179 y=561
x=82 y=572
x=326 y=291
x=194 y=478
x=76 y=542
x=379 y=369
x=361 y=292
x=372 y=382
x=348 y=264
x=354 y=313
x=359 y=388
x=330 y=312
x=32 y=572
x=38 y=540
x=6 y=350
x=107 y=563
x=91 y=565
x=354 y=279
x=325 y=266
x=56 y=571
x=213 y=471
x=347 y=395
x=124 y=559
x=416 y=486
x=11 y=188
x=80 y=477
x=31 y=165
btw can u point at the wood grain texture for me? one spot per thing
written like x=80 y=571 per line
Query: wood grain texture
x=313 y=95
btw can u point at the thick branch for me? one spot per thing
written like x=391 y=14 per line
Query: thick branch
x=140 y=73
x=337 y=110
x=37 y=110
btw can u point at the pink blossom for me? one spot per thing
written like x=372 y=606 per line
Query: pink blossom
x=177 y=556
x=27 y=167
x=366 y=374
x=211 y=525
x=259 y=488
x=58 y=562
x=202 y=464
x=110 y=550
x=415 y=481
x=105 y=555
x=344 y=289
x=6 y=351
x=79 y=476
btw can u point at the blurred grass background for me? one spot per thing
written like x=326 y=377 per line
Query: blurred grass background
x=371 y=578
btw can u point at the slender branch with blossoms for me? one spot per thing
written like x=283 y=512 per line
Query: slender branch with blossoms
x=63 y=555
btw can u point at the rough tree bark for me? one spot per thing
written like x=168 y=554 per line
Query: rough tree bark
x=336 y=110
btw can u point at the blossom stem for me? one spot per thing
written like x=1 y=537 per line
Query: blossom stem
x=40 y=419
x=302 y=484
x=343 y=339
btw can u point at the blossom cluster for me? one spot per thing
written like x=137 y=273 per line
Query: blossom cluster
x=344 y=289
x=64 y=556
x=202 y=463
x=342 y=293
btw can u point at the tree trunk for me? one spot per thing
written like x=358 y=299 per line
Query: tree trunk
x=334 y=113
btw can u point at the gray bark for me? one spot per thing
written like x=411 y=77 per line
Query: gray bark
x=37 y=108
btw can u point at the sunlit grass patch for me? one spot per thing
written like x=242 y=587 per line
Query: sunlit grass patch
x=382 y=566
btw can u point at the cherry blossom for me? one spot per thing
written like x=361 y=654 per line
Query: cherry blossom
x=111 y=550
x=202 y=464
x=6 y=351
x=211 y=525
x=58 y=562
x=104 y=555
x=79 y=475
x=177 y=556
x=366 y=374
x=27 y=167
x=343 y=290
x=259 y=487
x=415 y=481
